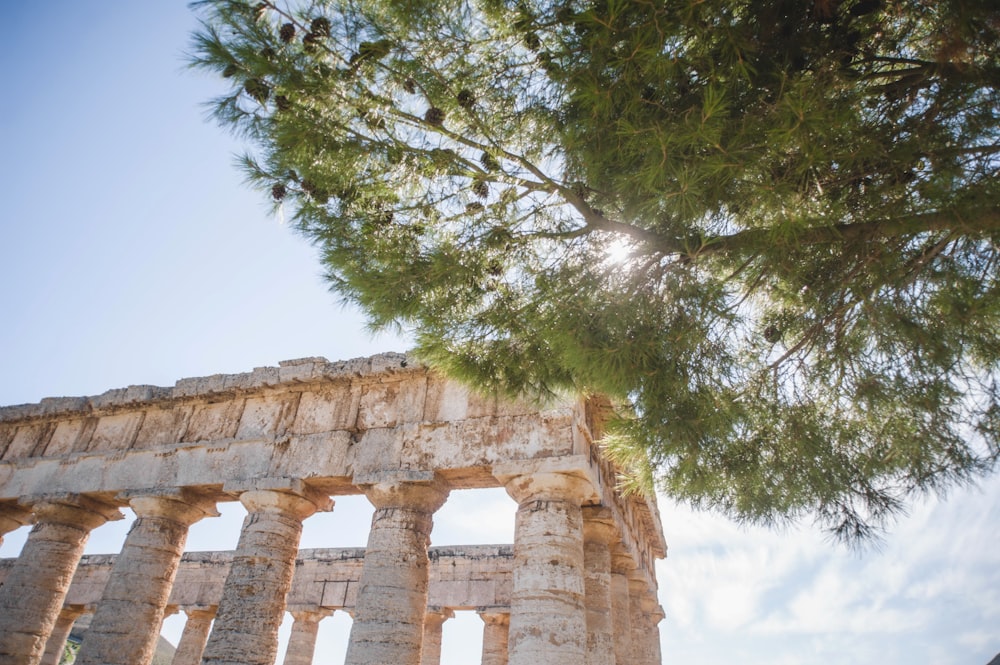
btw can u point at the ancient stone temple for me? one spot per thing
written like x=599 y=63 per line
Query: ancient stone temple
x=577 y=586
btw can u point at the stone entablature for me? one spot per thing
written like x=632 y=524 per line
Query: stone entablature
x=471 y=577
x=334 y=425
x=283 y=441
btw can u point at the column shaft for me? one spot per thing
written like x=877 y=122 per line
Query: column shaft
x=434 y=618
x=33 y=593
x=621 y=563
x=548 y=622
x=645 y=633
x=192 y=644
x=599 y=532
x=253 y=598
x=302 y=641
x=126 y=625
x=496 y=630
x=60 y=633
x=392 y=594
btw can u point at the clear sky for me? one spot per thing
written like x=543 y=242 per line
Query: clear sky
x=132 y=254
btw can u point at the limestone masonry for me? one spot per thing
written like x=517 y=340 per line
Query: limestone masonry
x=577 y=587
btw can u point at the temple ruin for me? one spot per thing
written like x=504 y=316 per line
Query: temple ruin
x=577 y=586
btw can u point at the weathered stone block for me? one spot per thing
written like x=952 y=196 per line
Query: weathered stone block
x=27 y=439
x=212 y=422
x=115 y=432
x=327 y=409
x=162 y=426
x=65 y=437
x=265 y=417
x=391 y=403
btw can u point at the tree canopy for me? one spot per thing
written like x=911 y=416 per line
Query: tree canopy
x=768 y=230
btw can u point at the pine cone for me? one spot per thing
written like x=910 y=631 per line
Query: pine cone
x=466 y=99
x=258 y=90
x=320 y=26
x=489 y=162
x=434 y=116
x=230 y=71
x=480 y=188
x=532 y=41
x=278 y=192
x=410 y=86
x=286 y=33
x=281 y=103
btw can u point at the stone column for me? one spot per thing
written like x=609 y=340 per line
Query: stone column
x=653 y=618
x=548 y=621
x=645 y=613
x=495 y=633
x=599 y=533
x=32 y=595
x=621 y=611
x=302 y=641
x=392 y=594
x=434 y=618
x=126 y=626
x=60 y=633
x=254 y=595
x=192 y=644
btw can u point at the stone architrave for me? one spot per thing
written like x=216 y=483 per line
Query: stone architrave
x=621 y=611
x=126 y=626
x=496 y=629
x=434 y=618
x=548 y=621
x=33 y=593
x=599 y=533
x=254 y=595
x=302 y=641
x=60 y=633
x=392 y=593
x=192 y=643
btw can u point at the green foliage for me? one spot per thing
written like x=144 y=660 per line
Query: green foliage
x=70 y=651
x=768 y=229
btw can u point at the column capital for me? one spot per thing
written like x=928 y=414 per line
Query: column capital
x=548 y=486
x=644 y=595
x=494 y=617
x=77 y=510
x=550 y=479
x=622 y=562
x=309 y=612
x=281 y=495
x=73 y=611
x=200 y=611
x=13 y=516
x=599 y=525
x=438 y=614
x=179 y=504
x=656 y=613
x=423 y=496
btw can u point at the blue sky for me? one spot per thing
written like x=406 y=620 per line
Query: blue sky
x=132 y=253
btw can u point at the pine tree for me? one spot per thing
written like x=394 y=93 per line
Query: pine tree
x=768 y=230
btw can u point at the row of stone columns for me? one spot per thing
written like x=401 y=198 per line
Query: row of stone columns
x=572 y=601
